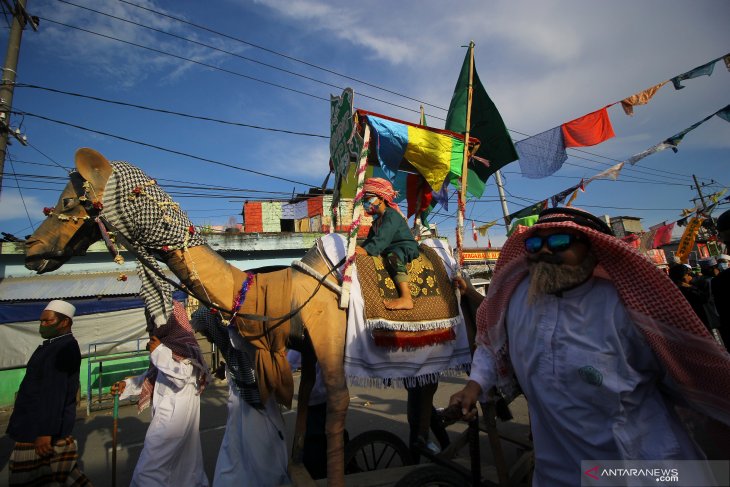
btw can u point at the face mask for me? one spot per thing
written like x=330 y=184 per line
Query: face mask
x=49 y=331
x=722 y=266
x=369 y=207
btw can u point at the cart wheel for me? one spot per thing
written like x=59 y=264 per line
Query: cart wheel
x=375 y=450
x=433 y=476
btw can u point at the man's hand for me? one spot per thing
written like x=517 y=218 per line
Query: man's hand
x=467 y=399
x=461 y=284
x=43 y=446
x=118 y=387
x=360 y=251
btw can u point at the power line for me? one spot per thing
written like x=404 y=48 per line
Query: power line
x=186 y=115
x=245 y=58
x=211 y=66
x=183 y=185
x=168 y=112
x=299 y=91
x=280 y=54
x=22 y=199
x=164 y=149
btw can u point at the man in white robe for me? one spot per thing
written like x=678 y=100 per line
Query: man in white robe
x=253 y=452
x=601 y=344
x=172 y=454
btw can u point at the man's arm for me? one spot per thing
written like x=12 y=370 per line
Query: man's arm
x=176 y=372
x=467 y=290
x=377 y=242
x=482 y=378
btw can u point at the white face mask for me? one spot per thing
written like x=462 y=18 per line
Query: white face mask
x=722 y=265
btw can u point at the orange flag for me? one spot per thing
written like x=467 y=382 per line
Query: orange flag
x=589 y=129
x=641 y=98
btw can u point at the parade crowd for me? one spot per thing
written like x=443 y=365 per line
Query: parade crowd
x=617 y=361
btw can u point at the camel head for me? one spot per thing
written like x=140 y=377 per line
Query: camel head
x=70 y=227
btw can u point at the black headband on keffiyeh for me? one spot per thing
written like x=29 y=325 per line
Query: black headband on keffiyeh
x=579 y=217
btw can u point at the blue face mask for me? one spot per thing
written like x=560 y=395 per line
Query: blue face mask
x=722 y=265
x=369 y=207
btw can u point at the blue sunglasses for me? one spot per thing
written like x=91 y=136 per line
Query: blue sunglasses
x=557 y=242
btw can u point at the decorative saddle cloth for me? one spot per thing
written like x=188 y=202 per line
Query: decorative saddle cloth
x=435 y=312
x=371 y=365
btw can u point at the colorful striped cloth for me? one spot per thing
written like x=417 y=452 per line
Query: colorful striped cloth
x=433 y=154
x=28 y=469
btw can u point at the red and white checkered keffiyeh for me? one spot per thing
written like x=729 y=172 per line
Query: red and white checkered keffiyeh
x=698 y=364
x=181 y=340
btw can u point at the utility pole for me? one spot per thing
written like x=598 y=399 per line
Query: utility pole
x=704 y=206
x=699 y=192
x=502 y=199
x=20 y=19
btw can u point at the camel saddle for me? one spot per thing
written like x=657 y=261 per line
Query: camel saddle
x=435 y=310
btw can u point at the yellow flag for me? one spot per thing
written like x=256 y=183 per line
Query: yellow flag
x=572 y=198
x=483 y=229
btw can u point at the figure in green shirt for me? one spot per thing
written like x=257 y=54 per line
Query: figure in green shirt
x=390 y=237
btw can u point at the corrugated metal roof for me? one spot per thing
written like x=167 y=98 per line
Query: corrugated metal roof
x=69 y=286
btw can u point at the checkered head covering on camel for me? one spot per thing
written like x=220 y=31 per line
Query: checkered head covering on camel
x=699 y=366
x=383 y=189
x=177 y=335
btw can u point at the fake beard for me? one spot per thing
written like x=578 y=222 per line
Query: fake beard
x=551 y=278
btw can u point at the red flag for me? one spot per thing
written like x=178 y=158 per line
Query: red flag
x=489 y=242
x=663 y=235
x=474 y=231
x=589 y=129
x=414 y=183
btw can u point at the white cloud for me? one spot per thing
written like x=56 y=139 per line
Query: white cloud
x=115 y=53
x=12 y=206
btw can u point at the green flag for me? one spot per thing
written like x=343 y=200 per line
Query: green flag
x=486 y=125
x=530 y=210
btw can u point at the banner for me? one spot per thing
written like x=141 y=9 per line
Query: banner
x=344 y=140
x=688 y=239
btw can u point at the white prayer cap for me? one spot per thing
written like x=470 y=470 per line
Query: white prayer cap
x=62 y=307
x=723 y=257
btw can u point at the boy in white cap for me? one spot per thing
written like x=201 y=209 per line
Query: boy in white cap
x=45 y=407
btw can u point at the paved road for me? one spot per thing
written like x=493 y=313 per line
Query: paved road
x=370 y=408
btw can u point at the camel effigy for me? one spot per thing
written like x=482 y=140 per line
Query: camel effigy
x=117 y=201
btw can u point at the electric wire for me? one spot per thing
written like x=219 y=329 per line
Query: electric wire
x=164 y=149
x=168 y=112
x=245 y=58
x=660 y=172
x=22 y=199
x=271 y=51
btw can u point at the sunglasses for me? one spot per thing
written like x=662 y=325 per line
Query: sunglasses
x=557 y=242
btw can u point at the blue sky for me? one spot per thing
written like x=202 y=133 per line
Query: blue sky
x=543 y=63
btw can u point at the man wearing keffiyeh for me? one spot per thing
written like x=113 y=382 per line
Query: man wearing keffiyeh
x=601 y=343
x=172 y=453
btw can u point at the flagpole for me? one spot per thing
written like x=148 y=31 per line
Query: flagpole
x=357 y=213
x=502 y=199
x=417 y=218
x=464 y=165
